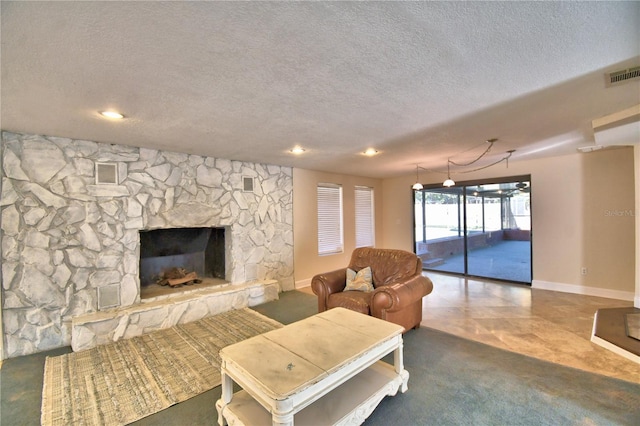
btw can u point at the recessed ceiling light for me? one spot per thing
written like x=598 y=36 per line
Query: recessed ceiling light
x=297 y=150
x=111 y=114
x=371 y=152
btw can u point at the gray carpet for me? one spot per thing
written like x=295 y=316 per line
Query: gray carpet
x=459 y=382
x=453 y=382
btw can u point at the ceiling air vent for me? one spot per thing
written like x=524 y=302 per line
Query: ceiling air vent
x=618 y=77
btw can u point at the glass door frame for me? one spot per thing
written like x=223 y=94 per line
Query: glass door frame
x=462 y=220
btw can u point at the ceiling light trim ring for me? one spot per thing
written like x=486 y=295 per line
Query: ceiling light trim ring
x=115 y=115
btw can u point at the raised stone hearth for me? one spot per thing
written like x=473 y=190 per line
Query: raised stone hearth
x=71 y=243
x=162 y=312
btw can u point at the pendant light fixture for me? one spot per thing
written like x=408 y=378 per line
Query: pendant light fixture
x=417 y=186
x=448 y=182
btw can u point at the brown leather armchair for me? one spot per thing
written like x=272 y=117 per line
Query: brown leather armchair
x=398 y=286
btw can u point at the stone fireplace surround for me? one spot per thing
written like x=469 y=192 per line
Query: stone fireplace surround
x=68 y=243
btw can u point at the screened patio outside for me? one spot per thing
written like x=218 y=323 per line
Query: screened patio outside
x=477 y=229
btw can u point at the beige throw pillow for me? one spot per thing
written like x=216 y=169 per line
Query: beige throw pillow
x=360 y=281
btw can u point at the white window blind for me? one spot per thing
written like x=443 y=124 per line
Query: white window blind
x=365 y=223
x=330 y=239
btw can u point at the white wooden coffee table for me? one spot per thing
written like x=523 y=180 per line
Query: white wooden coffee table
x=323 y=370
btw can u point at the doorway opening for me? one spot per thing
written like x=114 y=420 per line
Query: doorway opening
x=476 y=228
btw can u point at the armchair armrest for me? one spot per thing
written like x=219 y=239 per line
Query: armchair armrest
x=394 y=297
x=328 y=283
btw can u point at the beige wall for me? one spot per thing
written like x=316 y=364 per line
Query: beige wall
x=583 y=208
x=582 y=213
x=609 y=219
x=307 y=263
x=636 y=153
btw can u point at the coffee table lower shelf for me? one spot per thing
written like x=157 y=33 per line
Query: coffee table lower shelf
x=350 y=403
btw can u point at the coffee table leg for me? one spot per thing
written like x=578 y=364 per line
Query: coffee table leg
x=398 y=363
x=282 y=419
x=220 y=407
x=227 y=395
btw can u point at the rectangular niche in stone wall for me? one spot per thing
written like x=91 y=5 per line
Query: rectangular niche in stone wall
x=106 y=173
x=247 y=184
x=108 y=296
x=199 y=250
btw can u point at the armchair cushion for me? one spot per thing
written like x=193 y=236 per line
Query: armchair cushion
x=358 y=301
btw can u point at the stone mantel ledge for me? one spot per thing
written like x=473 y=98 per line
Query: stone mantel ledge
x=162 y=312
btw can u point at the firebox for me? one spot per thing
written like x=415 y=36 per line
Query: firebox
x=199 y=250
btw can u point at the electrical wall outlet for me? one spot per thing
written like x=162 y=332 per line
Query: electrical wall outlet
x=583 y=270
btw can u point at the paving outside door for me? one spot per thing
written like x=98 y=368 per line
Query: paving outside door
x=479 y=229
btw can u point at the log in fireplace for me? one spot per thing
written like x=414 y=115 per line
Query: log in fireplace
x=200 y=250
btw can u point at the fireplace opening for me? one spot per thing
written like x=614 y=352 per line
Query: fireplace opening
x=172 y=260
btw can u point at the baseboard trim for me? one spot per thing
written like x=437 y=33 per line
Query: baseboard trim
x=302 y=283
x=587 y=291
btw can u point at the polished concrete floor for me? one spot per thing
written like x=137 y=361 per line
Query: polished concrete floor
x=544 y=324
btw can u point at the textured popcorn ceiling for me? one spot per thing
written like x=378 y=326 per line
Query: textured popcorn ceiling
x=247 y=81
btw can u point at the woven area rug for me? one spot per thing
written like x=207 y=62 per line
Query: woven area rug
x=130 y=379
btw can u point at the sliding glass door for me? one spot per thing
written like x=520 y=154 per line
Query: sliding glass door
x=477 y=228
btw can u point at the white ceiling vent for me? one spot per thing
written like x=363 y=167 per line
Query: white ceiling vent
x=619 y=77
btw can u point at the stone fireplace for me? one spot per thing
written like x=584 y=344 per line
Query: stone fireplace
x=71 y=244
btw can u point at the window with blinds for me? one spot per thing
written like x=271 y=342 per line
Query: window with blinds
x=365 y=223
x=330 y=239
